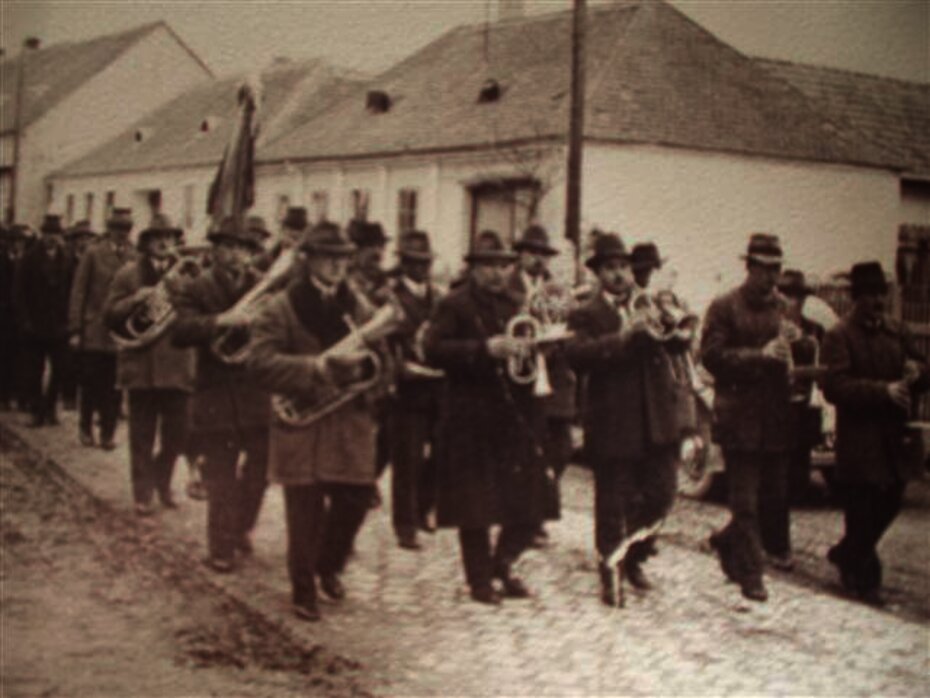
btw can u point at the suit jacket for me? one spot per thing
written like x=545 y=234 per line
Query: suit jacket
x=415 y=392
x=158 y=365
x=40 y=292
x=226 y=397
x=636 y=399
x=870 y=428
x=295 y=326
x=92 y=280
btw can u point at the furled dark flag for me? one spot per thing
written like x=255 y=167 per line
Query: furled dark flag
x=232 y=192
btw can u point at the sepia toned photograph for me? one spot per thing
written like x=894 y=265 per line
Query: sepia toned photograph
x=464 y=348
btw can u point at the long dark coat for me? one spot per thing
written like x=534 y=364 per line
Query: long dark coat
x=752 y=410
x=490 y=457
x=413 y=391
x=89 y=290
x=41 y=287
x=870 y=428
x=637 y=398
x=294 y=326
x=226 y=397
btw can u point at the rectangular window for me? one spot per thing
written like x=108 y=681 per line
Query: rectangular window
x=320 y=202
x=504 y=206
x=188 y=216
x=284 y=202
x=49 y=195
x=88 y=206
x=109 y=203
x=358 y=204
x=154 y=201
x=406 y=210
x=69 y=209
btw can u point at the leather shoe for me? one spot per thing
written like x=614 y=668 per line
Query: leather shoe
x=514 y=588
x=144 y=509
x=872 y=597
x=408 y=540
x=486 y=594
x=754 y=591
x=634 y=572
x=108 y=444
x=87 y=439
x=52 y=420
x=167 y=500
x=332 y=586
x=307 y=610
x=219 y=564
x=783 y=563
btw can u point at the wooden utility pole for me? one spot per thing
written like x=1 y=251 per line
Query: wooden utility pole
x=576 y=135
x=29 y=44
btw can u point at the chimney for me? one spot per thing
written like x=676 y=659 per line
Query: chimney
x=509 y=9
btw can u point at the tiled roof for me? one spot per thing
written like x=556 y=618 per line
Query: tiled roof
x=55 y=72
x=172 y=135
x=653 y=76
x=891 y=112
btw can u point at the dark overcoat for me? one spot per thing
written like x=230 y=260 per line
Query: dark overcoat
x=752 y=409
x=160 y=365
x=226 y=397
x=89 y=290
x=636 y=398
x=293 y=328
x=490 y=458
x=414 y=392
x=41 y=287
x=870 y=428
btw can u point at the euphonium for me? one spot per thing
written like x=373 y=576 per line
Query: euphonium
x=151 y=319
x=297 y=412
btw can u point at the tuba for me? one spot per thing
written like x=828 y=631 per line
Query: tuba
x=151 y=319
x=296 y=412
x=232 y=345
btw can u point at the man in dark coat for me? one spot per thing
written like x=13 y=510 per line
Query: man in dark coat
x=744 y=349
x=327 y=466
x=491 y=452
x=414 y=410
x=89 y=333
x=12 y=248
x=633 y=422
x=78 y=239
x=875 y=375
x=41 y=288
x=229 y=409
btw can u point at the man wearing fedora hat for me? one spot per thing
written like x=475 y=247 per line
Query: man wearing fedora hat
x=41 y=287
x=12 y=248
x=159 y=376
x=645 y=260
x=414 y=409
x=876 y=374
x=87 y=330
x=229 y=408
x=633 y=423
x=491 y=459
x=745 y=350
x=326 y=468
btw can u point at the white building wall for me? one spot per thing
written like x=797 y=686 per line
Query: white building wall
x=701 y=207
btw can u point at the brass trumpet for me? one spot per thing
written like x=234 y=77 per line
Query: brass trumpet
x=665 y=318
x=151 y=319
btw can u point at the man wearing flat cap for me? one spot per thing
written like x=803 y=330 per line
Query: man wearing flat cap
x=229 y=408
x=88 y=332
x=875 y=376
x=41 y=288
x=744 y=348
x=491 y=458
x=328 y=466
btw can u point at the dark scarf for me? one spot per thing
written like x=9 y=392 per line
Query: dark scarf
x=321 y=317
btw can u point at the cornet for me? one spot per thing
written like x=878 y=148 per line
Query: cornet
x=665 y=318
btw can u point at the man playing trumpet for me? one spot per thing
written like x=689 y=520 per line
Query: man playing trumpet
x=229 y=414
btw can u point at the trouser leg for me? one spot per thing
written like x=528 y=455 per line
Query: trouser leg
x=172 y=409
x=143 y=419
x=33 y=364
x=253 y=480
x=69 y=375
x=512 y=540
x=609 y=528
x=868 y=512
x=304 y=512
x=774 y=510
x=89 y=393
x=657 y=484
x=109 y=396
x=57 y=351
x=221 y=452
x=348 y=505
x=559 y=444
x=743 y=541
x=409 y=431
x=475 y=544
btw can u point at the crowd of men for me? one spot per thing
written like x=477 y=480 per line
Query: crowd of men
x=341 y=367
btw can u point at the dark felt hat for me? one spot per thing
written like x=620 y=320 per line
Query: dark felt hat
x=535 y=239
x=255 y=225
x=161 y=225
x=120 y=218
x=606 y=246
x=414 y=244
x=867 y=278
x=249 y=232
x=295 y=218
x=19 y=231
x=488 y=247
x=645 y=255
x=51 y=225
x=764 y=249
x=81 y=229
x=367 y=234
x=792 y=283
x=327 y=238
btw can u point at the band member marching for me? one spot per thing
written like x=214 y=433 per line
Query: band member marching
x=158 y=376
x=633 y=422
x=326 y=466
x=491 y=459
x=229 y=409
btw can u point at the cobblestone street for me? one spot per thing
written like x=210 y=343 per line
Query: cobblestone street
x=409 y=622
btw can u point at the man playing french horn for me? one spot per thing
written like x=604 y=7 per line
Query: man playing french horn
x=633 y=419
x=229 y=414
x=325 y=459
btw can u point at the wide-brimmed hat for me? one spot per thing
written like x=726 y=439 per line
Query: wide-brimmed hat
x=606 y=246
x=81 y=229
x=367 y=234
x=764 y=248
x=645 y=255
x=414 y=244
x=51 y=225
x=792 y=283
x=252 y=232
x=160 y=225
x=488 y=247
x=19 y=231
x=535 y=239
x=867 y=278
x=255 y=225
x=326 y=238
x=295 y=218
x=120 y=218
